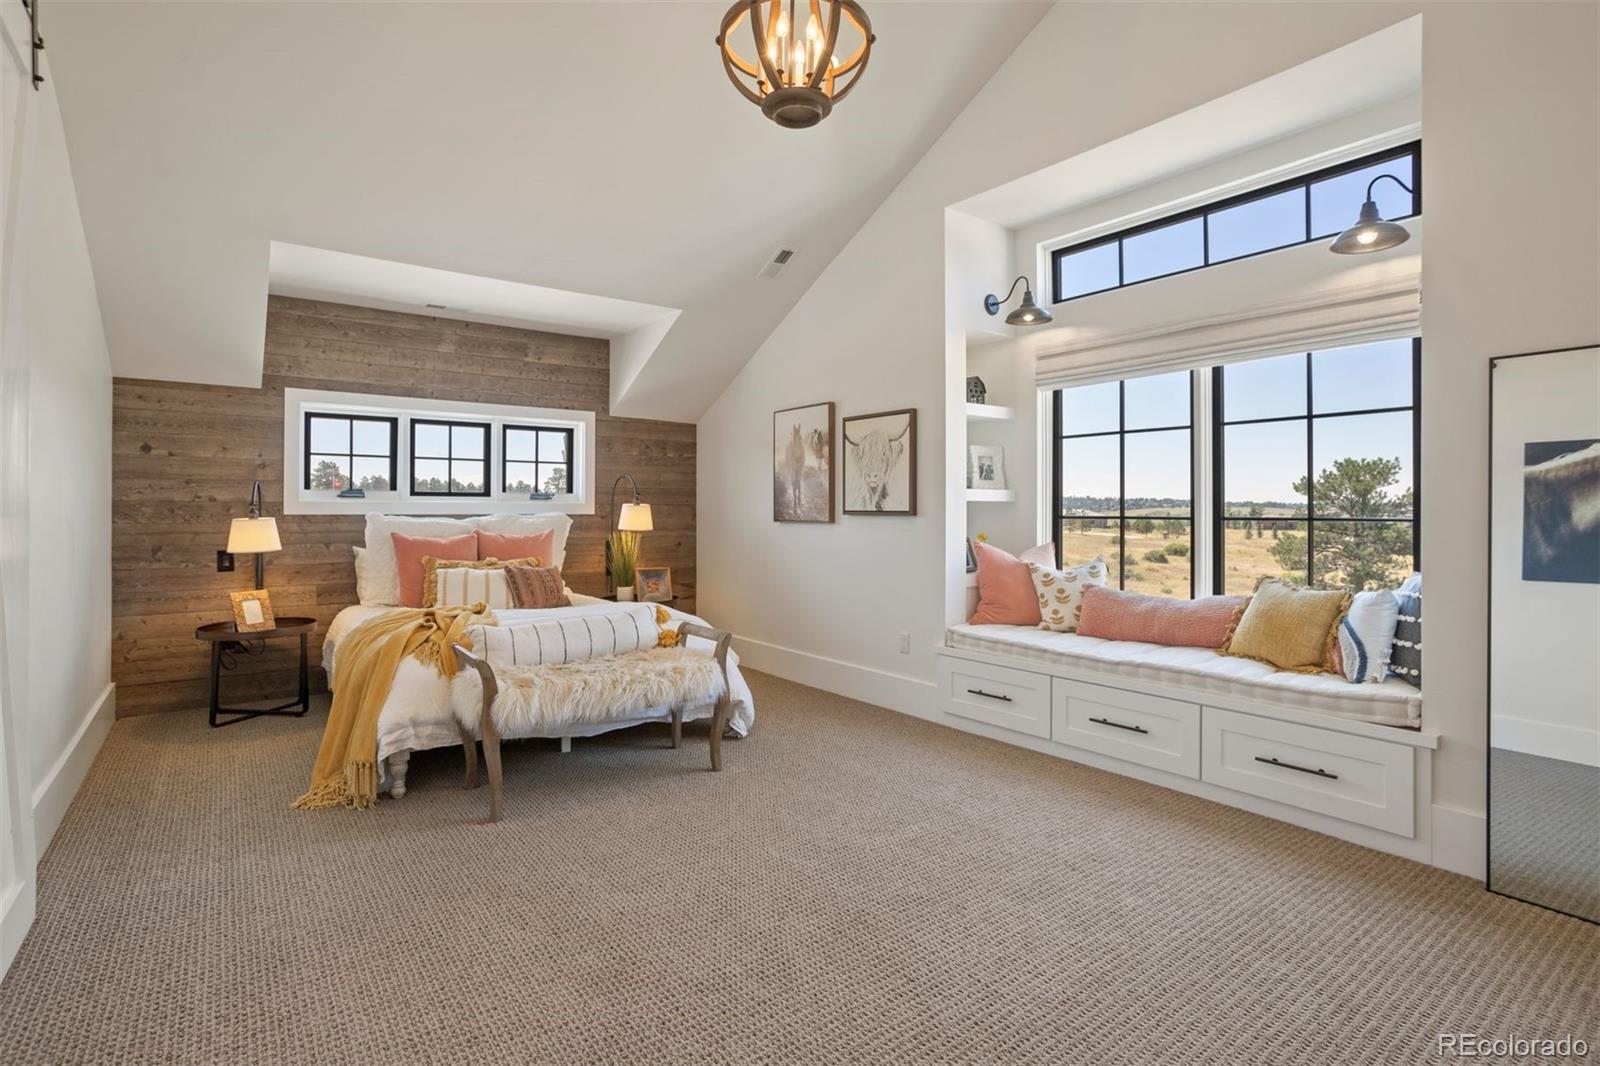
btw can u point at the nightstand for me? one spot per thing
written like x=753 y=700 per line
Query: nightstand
x=227 y=642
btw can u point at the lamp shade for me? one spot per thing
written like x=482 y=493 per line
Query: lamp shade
x=1370 y=233
x=251 y=536
x=1027 y=312
x=633 y=518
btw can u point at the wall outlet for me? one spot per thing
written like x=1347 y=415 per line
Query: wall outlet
x=905 y=643
x=224 y=562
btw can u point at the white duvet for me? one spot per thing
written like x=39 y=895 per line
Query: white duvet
x=417 y=715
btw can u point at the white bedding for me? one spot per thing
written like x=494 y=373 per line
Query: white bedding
x=417 y=714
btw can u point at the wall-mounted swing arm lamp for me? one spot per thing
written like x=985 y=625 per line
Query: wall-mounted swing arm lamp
x=1371 y=233
x=634 y=517
x=1027 y=313
x=255 y=535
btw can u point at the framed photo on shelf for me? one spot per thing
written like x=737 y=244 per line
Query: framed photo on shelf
x=986 y=467
x=972 y=558
x=654 y=583
x=252 y=611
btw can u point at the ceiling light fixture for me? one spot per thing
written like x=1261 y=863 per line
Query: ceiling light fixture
x=1027 y=313
x=1371 y=233
x=797 y=74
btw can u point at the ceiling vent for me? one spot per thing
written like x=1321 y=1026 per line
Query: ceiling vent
x=777 y=263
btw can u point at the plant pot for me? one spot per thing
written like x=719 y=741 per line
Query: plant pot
x=625 y=595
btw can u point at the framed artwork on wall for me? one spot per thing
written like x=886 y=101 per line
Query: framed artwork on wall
x=880 y=463
x=802 y=464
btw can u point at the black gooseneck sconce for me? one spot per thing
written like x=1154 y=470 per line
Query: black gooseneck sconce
x=1371 y=233
x=1027 y=312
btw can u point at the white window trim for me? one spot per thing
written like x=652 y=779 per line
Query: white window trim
x=299 y=500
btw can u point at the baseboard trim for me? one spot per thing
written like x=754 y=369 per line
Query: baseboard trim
x=53 y=795
x=1532 y=737
x=16 y=917
x=898 y=692
x=1460 y=841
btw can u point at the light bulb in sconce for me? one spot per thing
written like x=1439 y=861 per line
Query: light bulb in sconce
x=1371 y=233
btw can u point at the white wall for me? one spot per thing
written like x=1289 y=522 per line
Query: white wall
x=52 y=319
x=1510 y=112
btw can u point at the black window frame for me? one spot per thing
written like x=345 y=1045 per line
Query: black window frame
x=1121 y=517
x=506 y=429
x=1311 y=417
x=451 y=424
x=1413 y=150
x=393 y=456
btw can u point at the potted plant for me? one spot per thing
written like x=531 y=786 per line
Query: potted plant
x=624 y=562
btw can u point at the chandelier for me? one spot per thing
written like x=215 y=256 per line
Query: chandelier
x=798 y=72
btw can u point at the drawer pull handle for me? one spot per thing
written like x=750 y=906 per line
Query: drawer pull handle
x=1119 y=725
x=1292 y=766
x=988 y=695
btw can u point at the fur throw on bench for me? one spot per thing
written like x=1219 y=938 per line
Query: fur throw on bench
x=534 y=700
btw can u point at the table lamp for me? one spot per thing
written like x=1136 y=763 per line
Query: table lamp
x=255 y=535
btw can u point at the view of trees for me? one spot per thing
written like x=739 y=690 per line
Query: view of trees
x=327 y=474
x=1361 y=554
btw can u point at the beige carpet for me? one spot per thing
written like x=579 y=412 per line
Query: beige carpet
x=856 y=886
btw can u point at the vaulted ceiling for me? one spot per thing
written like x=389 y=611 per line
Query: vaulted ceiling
x=596 y=148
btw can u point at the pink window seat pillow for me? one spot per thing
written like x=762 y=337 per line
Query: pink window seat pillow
x=1114 y=615
x=409 y=552
x=540 y=546
x=1006 y=596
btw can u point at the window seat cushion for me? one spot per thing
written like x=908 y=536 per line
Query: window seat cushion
x=1391 y=702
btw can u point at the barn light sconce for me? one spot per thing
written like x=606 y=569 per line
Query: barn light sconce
x=1371 y=233
x=1027 y=313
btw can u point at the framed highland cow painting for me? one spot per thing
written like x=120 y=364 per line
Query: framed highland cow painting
x=880 y=463
x=802 y=464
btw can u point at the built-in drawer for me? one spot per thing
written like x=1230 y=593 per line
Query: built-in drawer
x=1356 y=778
x=998 y=695
x=1148 y=730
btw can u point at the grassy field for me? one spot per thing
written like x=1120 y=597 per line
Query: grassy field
x=1159 y=570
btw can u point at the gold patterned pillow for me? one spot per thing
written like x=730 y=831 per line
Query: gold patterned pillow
x=1289 y=627
x=1061 y=592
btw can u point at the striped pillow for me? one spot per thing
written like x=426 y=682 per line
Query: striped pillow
x=458 y=583
x=1406 y=661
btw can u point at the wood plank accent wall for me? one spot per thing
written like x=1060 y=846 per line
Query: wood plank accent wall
x=184 y=456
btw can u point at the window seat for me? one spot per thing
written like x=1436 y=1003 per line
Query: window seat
x=1391 y=702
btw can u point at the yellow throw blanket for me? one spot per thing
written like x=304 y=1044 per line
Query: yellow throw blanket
x=346 y=771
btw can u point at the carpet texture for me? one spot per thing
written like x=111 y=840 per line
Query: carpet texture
x=855 y=886
x=1544 y=839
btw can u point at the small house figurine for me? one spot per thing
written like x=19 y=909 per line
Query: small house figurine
x=976 y=391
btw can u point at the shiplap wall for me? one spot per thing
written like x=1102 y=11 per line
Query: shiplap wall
x=184 y=457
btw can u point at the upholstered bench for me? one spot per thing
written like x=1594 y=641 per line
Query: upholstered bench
x=504 y=701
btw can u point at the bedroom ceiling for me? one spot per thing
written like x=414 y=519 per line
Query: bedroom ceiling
x=595 y=148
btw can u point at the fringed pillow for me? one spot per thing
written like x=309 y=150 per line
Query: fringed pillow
x=1289 y=627
x=537 y=587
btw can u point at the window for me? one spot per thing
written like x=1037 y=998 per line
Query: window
x=1311 y=461
x=536 y=459
x=1124 y=480
x=449 y=458
x=349 y=451
x=1319 y=460
x=1308 y=208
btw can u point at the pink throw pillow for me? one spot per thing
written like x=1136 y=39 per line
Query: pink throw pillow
x=408 y=553
x=503 y=546
x=1005 y=589
x=1113 y=615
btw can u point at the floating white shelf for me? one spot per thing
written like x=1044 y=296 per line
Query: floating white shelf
x=990 y=412
x=991 y=495
x=972 y=580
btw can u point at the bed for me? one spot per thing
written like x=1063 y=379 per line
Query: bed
x=417 y=715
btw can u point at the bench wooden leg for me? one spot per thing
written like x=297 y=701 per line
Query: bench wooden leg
x=491 y=759
x=677 y=726
x=469 y=747
x=719 y=723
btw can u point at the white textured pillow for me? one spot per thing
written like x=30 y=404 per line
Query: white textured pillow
x=1061 y=592
x=1366 y=635
x=367 y=590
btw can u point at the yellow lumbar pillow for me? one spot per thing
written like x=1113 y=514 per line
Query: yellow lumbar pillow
x=1289 y=627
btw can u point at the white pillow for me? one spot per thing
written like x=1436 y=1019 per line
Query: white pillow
x=1061 y=592
x=385 y=569
x=1366 y=635
x=366 y=583
x=459 y=586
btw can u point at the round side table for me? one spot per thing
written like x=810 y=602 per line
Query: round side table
x=227 y=641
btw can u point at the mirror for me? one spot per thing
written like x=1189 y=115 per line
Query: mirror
x=1544 y=630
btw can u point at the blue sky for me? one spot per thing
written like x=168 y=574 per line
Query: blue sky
x=1262 y=461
